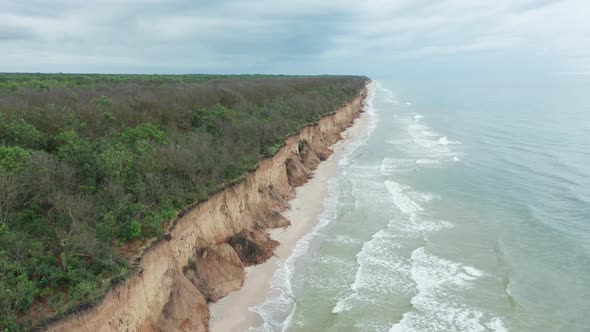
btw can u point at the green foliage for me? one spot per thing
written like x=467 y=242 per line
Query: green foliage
x=140 y=137
x=20 y=132
x=102 y=100
x=13 y=158
x=117 y=161
x=73 y=148
x=133 y=230
x=271 y=150
x=153 y=221
x=94 y=164
x=192 y=264
x=14 y=82
x=81 y=153
x=124 y=156
x=84 y=291
x=17 y=292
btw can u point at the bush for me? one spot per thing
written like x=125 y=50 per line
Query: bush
x=17 y=291
x=13 y=158
x=20 y=132
x=84 y=291
x=133 y=230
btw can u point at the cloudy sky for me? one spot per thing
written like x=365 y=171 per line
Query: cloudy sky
x=297 y=36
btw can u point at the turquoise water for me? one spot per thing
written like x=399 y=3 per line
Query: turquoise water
x=466 y=207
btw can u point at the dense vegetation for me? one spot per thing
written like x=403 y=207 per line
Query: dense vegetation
x=93 y=166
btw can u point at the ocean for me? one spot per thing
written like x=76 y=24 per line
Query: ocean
x=464 y=207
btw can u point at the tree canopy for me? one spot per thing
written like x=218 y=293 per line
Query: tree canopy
x=93 y=166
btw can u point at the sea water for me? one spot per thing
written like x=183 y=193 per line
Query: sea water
x=463 y=207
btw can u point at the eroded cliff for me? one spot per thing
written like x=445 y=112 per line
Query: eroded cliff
x=203 y=256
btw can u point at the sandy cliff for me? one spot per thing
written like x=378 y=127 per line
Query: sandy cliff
x=205 y=253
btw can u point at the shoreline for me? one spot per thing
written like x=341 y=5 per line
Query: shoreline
x=303 y=212
x=162 y=294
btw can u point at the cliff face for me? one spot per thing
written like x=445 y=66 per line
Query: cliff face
x=205 y=253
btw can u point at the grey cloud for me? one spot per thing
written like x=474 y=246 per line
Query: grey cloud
x=9 y=33
x=283 y=36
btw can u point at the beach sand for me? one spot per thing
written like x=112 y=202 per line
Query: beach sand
x=232 y=312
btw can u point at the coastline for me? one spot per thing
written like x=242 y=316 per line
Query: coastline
x=165 y=295
x=303 y=212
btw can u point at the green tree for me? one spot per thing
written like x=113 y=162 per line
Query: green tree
x=20 y=132
x=13 y=158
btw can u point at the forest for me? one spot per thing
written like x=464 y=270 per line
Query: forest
x=93 y=167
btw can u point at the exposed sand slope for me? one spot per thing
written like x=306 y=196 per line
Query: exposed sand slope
x=232 y=313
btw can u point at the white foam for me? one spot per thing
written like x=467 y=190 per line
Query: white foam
x=341 y=270
x=437 y=306
x=280 y=303
x=430 y=133
x=379 y=271
x=369 y=191
x=414 y=128
x=427 y=162
x=388 y=95
x=430 y=145
x=423 y=197
x=278 y=309
x=445 y=141
x=344 y=303
x=383 y=270
x=392 y=165
x=430 y=271
x=417 y=133
x=344 y=240
x=398 y=141
x=370 y=110
x=380 y=234
x=419 y=229
x=497 y=325
x=473 y=271
x=508 y=289
x=402 y=201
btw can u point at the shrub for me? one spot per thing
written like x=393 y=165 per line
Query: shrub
x=20 y=132
x=133 y=230
x=102 y=101
x=13 y=158
x=84 y=291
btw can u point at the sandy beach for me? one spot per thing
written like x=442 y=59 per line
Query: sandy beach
x=232 y=313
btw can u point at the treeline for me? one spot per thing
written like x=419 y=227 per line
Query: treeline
x=40 y=81
x=93 y=166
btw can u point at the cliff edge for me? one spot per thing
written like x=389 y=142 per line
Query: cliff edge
x=204 y=255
